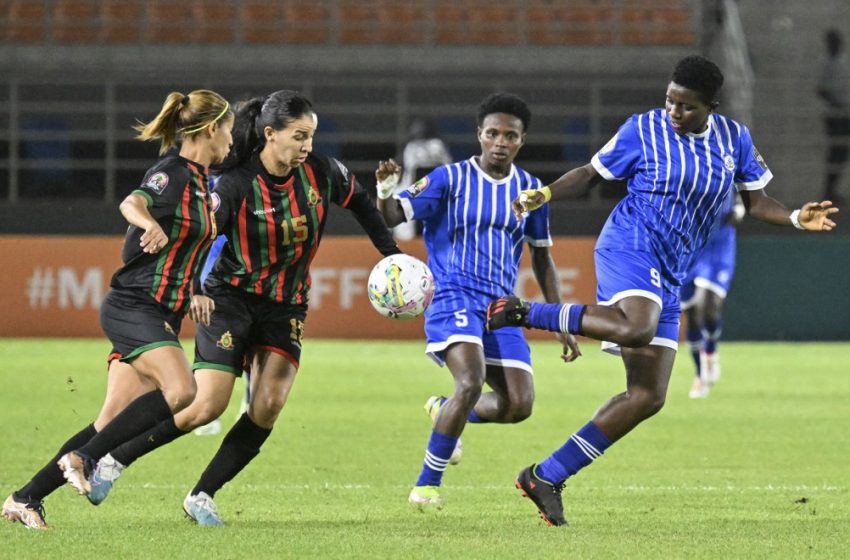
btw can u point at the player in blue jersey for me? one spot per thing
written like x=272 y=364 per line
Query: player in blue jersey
x=681 y=161
x=474 y=245
x=703 y=293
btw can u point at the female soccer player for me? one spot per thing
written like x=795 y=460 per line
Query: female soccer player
x=273 y=205
x=171 y=227
x=680 y=162
x=474 y=244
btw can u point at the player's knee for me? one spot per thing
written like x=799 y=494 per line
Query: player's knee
x=651 y=403
x=520 y=411
x=468 y=389
x=180 y=395
x=635 y=336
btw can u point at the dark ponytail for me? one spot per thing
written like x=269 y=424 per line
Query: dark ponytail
x=254 y=115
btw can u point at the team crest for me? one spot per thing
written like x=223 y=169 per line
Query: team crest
x=313 y=198
x=226 y=341
x=157 y=182
x=215 y=201
x=169 y=329
x=759 y=159
x=729 y=162
x=416 y=188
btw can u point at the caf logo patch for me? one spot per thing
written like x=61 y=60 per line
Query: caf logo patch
x=226 y=341
x=157 y=182
x=416 y=188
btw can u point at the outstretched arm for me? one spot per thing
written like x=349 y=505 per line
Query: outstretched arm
x=813 y=216
x=547 y=278
x=572 y=184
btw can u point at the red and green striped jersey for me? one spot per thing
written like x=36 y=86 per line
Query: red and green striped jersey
x=178 y=199
x=274 y=224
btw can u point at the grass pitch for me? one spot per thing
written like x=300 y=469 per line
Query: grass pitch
x=760 y=469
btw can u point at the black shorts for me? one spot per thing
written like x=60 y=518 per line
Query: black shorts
x=243 y=323
x=134 y=322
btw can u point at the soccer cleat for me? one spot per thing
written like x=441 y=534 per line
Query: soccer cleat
x=546 y=496
x=432 y=407
x=509 y=311
x=426 y=497
x=211 y=429
x=30 y=515
x=201 y=509
x=104 y=476
x=76 y=470
x=709 y=367
x=699 y=389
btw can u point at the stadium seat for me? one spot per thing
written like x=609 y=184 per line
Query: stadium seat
x=75 y=21
x=167 y=22
x=24 y=21
x=120 y=21
x=383 y=22
x=658 y=23
x=214 y=21
x=289 y=22
x=566 y=22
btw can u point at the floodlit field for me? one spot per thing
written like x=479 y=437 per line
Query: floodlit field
x=760 y=469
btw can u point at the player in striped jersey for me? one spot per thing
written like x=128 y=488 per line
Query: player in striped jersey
x=703 y=293
x=272 y=204
x=681 y=162
x=474 y=245
x=171 y=227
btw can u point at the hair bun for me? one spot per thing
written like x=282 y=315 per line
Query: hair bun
x=185 y=100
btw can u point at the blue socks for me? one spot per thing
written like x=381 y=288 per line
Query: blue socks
x=555 y=317
x=711 y=336
x=579 y=451
x=437 y=457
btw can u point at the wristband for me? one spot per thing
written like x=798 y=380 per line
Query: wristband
x=547 y=194
x=795 y=219
x=387 y=186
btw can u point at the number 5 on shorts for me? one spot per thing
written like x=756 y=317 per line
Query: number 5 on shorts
x=462 y=319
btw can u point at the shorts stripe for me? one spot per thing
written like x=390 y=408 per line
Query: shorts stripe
x=614 y=349
x=433 y=349
x=281 y=352
x=631 y=293
x=710 y=286
x=142 y=349
x=509 y=364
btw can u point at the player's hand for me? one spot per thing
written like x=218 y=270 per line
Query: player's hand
x=153 y=239
x=570 y=346
x=530 y=200
x=509 y=311
x=815 y=216
x=201 y=309
x=388 y=173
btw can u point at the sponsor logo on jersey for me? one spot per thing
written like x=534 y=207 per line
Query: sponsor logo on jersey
x=226 y=341
x=759 y=159
x=263 y=211
x=169 y=329
x=157 y=182
x=313 y=198
x=729 y=162
x=416 y=188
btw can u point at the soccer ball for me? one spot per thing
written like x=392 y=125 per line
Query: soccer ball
x=400 y=287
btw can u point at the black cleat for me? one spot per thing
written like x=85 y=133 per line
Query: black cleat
x=509 y=311
x=545 y=496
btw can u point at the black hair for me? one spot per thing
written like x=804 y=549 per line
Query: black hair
x=699 y=74
x=505 y=103
x=276 y=110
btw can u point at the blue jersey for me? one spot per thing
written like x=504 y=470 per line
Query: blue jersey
x=677 y=185
x=473 y=240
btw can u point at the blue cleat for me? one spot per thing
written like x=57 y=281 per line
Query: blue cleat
x=201 y=509
x=104 y=476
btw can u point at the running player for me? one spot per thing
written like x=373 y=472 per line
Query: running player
x=274 y=203
x=171 y=227
x=474 y=245
x=681 y=162
x=703 y=293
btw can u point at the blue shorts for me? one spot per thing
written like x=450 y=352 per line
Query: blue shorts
x=462 y=318
x=713 y=270
x=622 y=274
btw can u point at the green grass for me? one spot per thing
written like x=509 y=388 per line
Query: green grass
x=758 y=470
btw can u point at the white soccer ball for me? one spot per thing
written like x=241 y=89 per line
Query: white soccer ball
x=400 y=287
